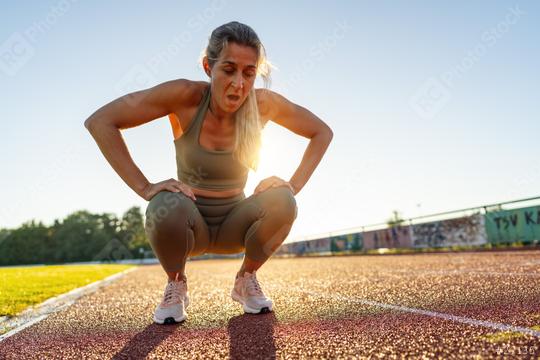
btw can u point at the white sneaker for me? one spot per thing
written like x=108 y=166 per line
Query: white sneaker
x=173 y=306
x=247 y=291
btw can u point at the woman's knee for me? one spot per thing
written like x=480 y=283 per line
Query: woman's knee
x=168 y=207
x=282 y=200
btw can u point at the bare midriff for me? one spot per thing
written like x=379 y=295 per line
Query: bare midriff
x=216 y=194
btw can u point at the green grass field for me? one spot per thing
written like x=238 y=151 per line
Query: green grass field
x=21 y=287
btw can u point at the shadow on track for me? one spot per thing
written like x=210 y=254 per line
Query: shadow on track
x=251 y=336
x=146 y=341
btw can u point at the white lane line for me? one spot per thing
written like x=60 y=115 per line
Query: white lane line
x=461 y=319
x=41 y=311
x=22 y=325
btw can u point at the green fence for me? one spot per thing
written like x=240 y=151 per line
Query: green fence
x=516 y=225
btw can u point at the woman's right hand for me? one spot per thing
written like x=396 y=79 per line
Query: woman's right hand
x=169 y=185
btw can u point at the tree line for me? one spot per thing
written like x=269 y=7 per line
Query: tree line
x=81 y=236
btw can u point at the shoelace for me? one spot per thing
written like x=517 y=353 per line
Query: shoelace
x=253 y=286
x=174 y=292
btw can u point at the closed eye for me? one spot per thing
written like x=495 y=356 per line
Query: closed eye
x=231 y=71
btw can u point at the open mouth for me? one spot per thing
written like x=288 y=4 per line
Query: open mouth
x=233 y=97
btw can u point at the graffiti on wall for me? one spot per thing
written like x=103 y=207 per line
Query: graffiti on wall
x=508 y=226
x=348 y=242
x=305 y=247
x=468 y=230
x=318 y=245
x=295 y=248
x=503 y=226
x=394 y=237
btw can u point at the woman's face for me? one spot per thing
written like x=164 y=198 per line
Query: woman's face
x=232 y=76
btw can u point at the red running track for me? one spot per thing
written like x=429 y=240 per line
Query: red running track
x=452 y=305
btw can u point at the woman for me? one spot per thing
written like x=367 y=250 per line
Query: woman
x=216 y=127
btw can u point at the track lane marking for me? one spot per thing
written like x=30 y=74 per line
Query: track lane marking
x=461 y=319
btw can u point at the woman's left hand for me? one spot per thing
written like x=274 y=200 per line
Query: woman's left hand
x=273 y=181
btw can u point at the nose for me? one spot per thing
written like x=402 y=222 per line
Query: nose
x=239 y=81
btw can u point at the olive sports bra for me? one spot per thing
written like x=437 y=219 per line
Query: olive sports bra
x=203 y=168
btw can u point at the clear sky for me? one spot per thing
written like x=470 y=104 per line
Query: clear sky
x=433 y=106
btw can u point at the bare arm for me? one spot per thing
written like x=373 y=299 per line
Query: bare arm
x=129 y=111
x=304 y=123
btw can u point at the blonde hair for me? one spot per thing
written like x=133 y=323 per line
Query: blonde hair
x=247 y=122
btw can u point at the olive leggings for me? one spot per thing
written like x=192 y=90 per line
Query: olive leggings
x=178 y=227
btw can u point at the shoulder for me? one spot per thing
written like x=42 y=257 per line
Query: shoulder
x=264 y=99
x=186 y=93
x=265 y=103
x=142 y=106
x=271 y=104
